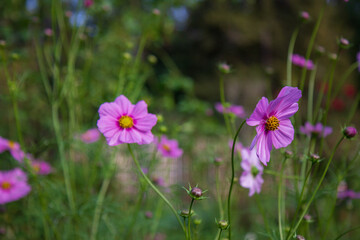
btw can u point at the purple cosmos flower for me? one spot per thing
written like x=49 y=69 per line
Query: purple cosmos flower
x=13 y=185
x=301 y=62
x=274 y=127
x=348 y=194
x=318 y=130
x=237 y=110
x=13 y=148
x=169 y=147
x=90 y=136
x=358 y=60
x=251 y=178
x=122 y=122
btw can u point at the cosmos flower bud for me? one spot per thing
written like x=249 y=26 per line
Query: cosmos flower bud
x=288 y=154
x=344 y=43
x=152 y=59
x=156 y=12
x=217 y=161
x=196 y=192
x=350 y=132
x=224 y=68
x=314 y=158
x=2 y=43
x=304 y=16
x=148 y=214
x=163 y=129
x=332 y=56
x=223 y=224
x=319 y=50
x=127 y=56
x=185 y=213
x=308 y=218
x=299 y=237
x=197 y=221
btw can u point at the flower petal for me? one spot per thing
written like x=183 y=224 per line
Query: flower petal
x=286 y=98
x=288 y=112
x=146 y=123
x=259 y=112
x=109 y=109
x=140 y=110
x=147 y=137
x=284 y=135
x=125 y=105
x=108 y=126
x=264 y=146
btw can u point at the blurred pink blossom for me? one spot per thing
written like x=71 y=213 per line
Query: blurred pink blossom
x=13 y=185
x=90 y=136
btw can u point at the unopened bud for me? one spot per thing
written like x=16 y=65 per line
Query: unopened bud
x=2 y=43
x=196 y=192
x=217 y=161
x=350 y=132
x=48 y=32
x=320 y=50
x=156 y=12
x=163 y=129
x=332 y=56
x=224 y=68
x=185 y=213
x=288 y=153
x=314 y=158
x=304 y=16
x=152 y=59
x=127 y=56
x=299 y=237
x=148 y=215
x=197 y=221
x=344 y=43
x=15 y=56
x=223 y=224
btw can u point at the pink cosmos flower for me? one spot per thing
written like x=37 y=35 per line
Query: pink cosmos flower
x=13 y=148
x=301 y=62
x=237 y=110
x=318 y=130
x=274 y=127
x=358 y=60
x=48 y=32
x=90 y=136
x=251 y=178
x=122 y=122
x=169 y=147
x=41 y=167
x=13 y=185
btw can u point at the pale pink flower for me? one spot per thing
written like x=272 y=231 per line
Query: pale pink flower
x=251 y=177
x=237 y=110
x=317 y=130
x=90 y=136
x=169 y=147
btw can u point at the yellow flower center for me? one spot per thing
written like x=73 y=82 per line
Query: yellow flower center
x=272 y=123
x=36 y=168
x=11 y=144
x=126 y=122
x=166 y=147
x=5 y=185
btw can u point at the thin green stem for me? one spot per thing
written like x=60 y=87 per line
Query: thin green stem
x=217 y=182
x=300 y=198
x=290 y=53
x=280 y=199
x=223 y=102
x=189 y=218
x=61 y=149
x=311 y=93
x=315 y=191
x=220 y=234
x=232 y=177
x=310 y=47
x=155 y=188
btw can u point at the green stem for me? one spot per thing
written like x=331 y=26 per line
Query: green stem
x=280 y=200
x=220 y=234
x=189 y=219
x=300 y=198
x=290 y=53
x=155 y=188
x=311 y=93
x=310 y=47
x=353 y=109
x=262 y=214
x=217 y=182
x=61 y=148
x=222 y=99
x=315 y=191
x=232 y=177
